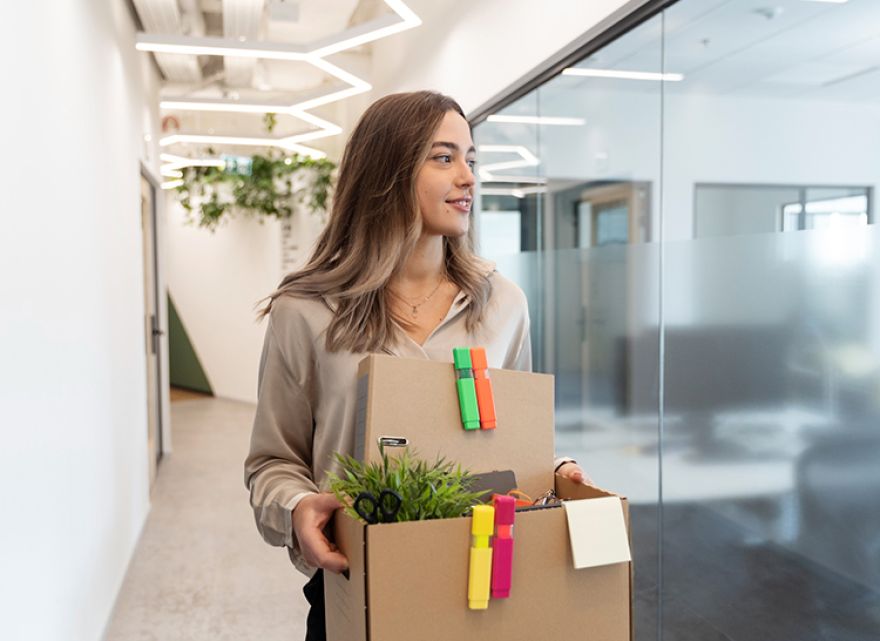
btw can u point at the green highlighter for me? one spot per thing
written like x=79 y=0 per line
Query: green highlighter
x=467 y=393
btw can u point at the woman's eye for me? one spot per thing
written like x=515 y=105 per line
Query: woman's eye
x=443 y=158
x=472 y=164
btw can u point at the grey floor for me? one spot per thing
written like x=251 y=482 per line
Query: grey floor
x=201 y=571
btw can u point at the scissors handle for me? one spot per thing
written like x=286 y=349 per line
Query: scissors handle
x=367 y=507
x=381 y=510
x=389 y=504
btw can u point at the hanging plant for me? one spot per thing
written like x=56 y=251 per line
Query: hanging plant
x=259 y=185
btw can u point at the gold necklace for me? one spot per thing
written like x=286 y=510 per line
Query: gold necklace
x=415 y=306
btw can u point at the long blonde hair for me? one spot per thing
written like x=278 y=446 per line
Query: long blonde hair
x=375 y=223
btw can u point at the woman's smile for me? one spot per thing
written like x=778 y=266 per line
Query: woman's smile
x=461 y=204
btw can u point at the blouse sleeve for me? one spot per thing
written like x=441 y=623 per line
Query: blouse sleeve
x=523 y=359
x=277 y=470
x=520 y=355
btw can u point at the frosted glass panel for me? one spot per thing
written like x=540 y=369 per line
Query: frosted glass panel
x=771 y=447
x=703 y=277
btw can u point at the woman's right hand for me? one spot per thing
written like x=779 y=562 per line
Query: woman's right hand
x=309 y=519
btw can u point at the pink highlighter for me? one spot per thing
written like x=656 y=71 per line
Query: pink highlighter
x=502 y=544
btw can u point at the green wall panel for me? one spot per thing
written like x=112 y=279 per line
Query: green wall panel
x=184 y=367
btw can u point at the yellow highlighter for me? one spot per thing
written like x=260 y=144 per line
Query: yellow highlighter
x=480 y=574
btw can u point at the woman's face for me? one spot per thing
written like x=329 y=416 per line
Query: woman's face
x=445 y=182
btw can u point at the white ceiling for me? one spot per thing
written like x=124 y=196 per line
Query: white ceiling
x=282 y=21
x=164 y=16
x=766 y=48
x=250 y=80
x=791 y=49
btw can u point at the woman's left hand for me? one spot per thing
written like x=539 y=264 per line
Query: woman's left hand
x=573 y=472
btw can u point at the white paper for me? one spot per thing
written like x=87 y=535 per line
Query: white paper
x=597 y=531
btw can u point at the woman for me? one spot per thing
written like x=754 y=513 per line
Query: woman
x=394 y=272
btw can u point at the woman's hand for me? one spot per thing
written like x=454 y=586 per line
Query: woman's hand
x=573 y=472
x=309 y=518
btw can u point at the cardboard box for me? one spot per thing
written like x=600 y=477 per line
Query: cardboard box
x=409 y=580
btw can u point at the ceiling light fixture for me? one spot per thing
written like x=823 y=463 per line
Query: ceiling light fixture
x=356 y=86
x=325 y=127
x=495 y=178
x=537 y=120
x=179 y=162
x=283 y=143
x=521 y=192
x=216 y=46
x=623 y=75
x=408 y=20
x=527 y=159
x=404 y=18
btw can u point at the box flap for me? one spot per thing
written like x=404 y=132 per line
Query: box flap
x=417 y=399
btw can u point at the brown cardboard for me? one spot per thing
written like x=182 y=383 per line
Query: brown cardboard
x=418 y=399
x=345 y=599
x=409 y=580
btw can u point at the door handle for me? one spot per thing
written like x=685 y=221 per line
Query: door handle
x=155 y=333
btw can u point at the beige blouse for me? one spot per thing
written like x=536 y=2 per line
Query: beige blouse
x=307 y=395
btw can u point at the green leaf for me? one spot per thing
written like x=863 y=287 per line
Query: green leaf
x=429 y=491
x=209 y=195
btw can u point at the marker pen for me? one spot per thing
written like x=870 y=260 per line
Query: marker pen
x=467 y=395
x=483 y=386
x=502 y=544
x=480 y=570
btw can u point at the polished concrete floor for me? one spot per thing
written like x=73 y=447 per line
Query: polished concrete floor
x=201 y=572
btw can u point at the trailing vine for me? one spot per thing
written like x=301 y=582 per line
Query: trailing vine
x=266 y=186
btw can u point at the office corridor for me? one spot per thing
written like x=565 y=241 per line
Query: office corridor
x=201 y=571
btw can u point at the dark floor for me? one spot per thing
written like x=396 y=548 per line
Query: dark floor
x=719 y=584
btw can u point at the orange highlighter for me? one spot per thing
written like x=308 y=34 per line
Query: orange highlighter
x=480 y=570
x=485 y=398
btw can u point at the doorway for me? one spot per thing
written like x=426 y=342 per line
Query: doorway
x=592 y=227
x=152 y=327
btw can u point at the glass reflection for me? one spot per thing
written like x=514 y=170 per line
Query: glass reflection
x=743 y=251
x=771 y=370
x=579 y=175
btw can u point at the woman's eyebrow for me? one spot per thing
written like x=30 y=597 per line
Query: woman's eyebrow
x=453 y=146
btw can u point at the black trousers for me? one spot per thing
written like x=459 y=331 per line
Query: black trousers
x=316 y=629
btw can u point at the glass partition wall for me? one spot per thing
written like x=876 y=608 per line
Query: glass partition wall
x=690 y=210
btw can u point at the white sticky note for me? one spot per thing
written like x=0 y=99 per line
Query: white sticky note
x=597 y=532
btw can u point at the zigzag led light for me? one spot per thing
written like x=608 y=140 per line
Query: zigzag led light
x=527 y=159
x=520 y=192
x=313 y=54
x=282 y=143
x=290 y=143
x=173 y=165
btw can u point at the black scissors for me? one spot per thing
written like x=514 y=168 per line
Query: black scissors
x=381 y=510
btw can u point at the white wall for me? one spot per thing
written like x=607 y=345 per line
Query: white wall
x=73 y=463
x=215 y=279
x=474 y=50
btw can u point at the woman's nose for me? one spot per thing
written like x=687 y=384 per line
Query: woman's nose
x=466 y=175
